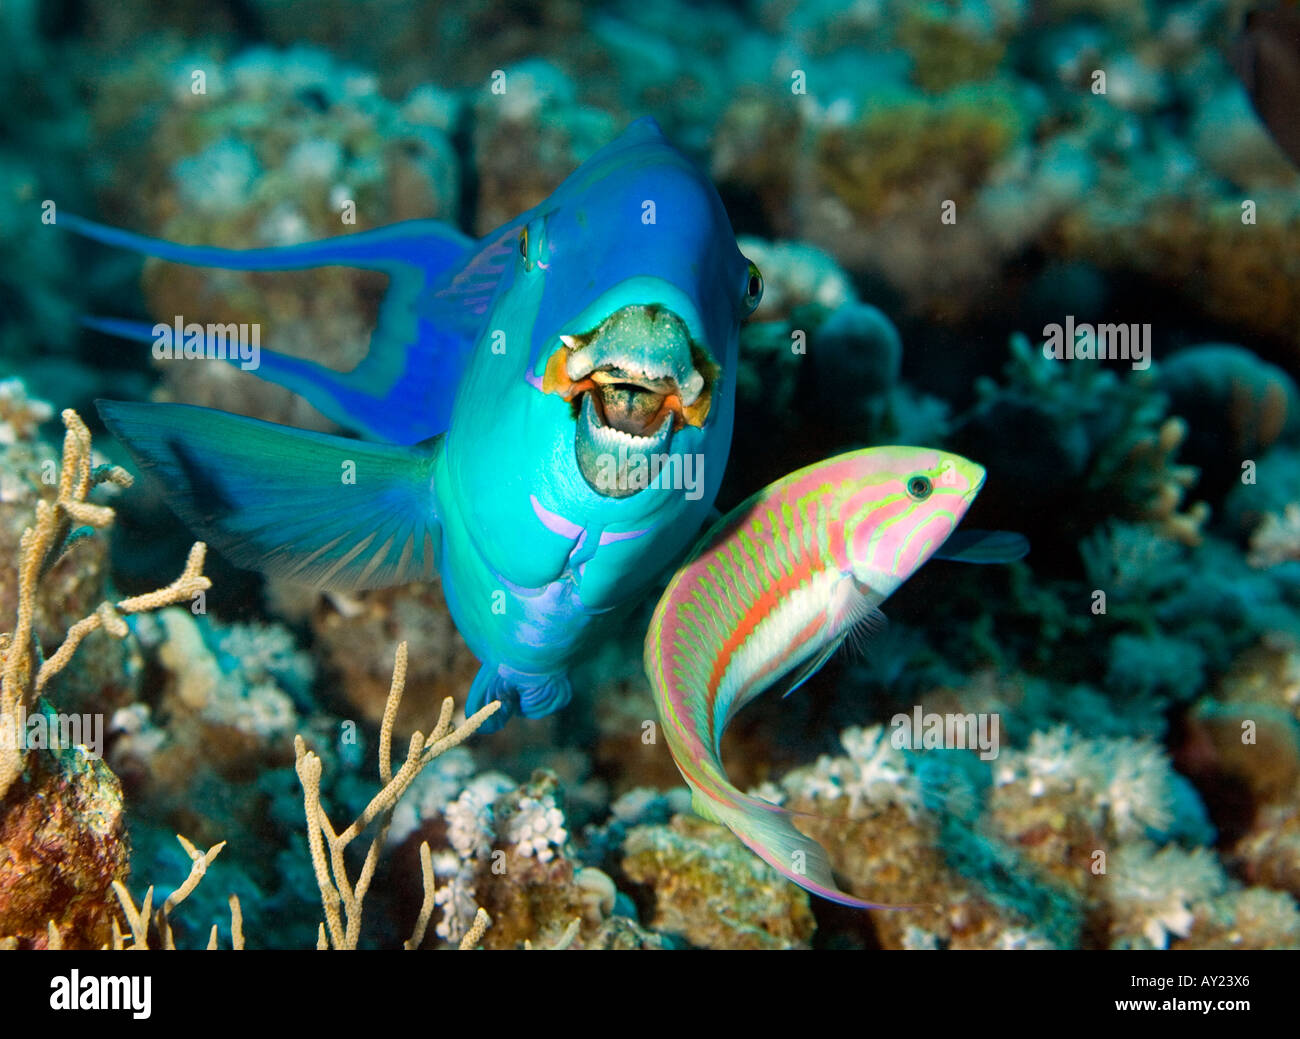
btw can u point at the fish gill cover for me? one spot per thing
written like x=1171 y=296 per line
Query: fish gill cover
x=455 y=341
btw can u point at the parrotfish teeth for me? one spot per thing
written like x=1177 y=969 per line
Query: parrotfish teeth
x=606 y=455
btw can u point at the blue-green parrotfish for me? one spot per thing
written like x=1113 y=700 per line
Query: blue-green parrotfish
x=546 y=414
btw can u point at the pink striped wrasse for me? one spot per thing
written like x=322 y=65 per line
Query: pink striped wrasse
x=770 y=593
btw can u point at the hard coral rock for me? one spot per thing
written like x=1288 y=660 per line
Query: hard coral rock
x=358 y=637
x=707 y=887
x=62 y=844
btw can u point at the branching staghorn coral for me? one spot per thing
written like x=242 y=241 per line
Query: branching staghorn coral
x=341 y=899
x=59 y=525
x=138 y=918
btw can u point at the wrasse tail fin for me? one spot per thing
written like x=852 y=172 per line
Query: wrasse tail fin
x=403 y=390
x=769 y=833
x=309 y=507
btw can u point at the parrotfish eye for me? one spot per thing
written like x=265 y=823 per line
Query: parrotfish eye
x=523 y=244
x=919 y=487
x=753 y=288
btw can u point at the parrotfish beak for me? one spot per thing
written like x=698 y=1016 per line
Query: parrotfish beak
x=633 y=380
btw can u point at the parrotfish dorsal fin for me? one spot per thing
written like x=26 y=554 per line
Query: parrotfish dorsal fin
x=403 y=389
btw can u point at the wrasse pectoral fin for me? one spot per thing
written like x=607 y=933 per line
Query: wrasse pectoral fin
x=984 y=546
x=309 y=507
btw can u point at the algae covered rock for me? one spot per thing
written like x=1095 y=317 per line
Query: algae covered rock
x=62 y=844
x=707 y=887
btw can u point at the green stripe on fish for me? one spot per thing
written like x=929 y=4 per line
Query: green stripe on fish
x=770 y=593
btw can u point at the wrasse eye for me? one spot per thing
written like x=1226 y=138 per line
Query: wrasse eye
x=753 y=288
x=919 y=487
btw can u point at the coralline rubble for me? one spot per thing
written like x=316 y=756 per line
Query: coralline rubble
x=355 y=636
x=1075 y=841
x=506 y=848
x=528 y=136
x=893 y=842
x=216 y=721
x=1243 y=743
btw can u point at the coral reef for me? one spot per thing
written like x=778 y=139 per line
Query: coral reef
x=921 y=184
x=63 y=833
x=708 y=889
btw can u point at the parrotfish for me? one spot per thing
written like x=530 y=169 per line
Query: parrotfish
x=548 y=413
x=769 y=594
x=1266 y=58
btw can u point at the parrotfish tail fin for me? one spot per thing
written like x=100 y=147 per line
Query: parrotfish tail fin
x=984 y=546
x=319 y=509
x=544 y=695
x=533 y=696
x=769 y=833
x=402 y=391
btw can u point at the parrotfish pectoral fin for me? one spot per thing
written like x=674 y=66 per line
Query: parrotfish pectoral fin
x=320 y=509
x=403 y=390
x=769 y=833
x=984 y=546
